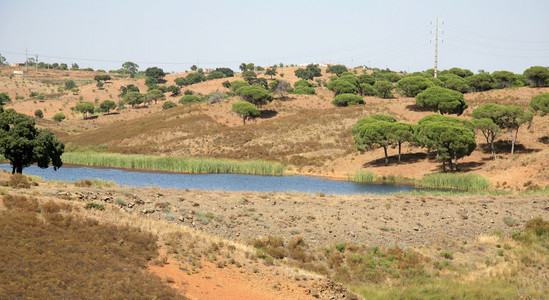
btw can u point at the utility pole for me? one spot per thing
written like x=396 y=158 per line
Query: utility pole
x=436 y=48
x=26 y=60
x=36 y=63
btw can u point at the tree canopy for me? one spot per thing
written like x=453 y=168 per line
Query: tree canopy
x=336 y=69
x=342 y=86
x=155 y=72
x=134 y=98
x=227 y=71
x=271 y=72
x=107 y=106
x=4 y=97
x=441 y=100
x=130 y=67
x=85 y=108
x=384 y=89
x=310 y=72
x=538 y=76
x=23 y=144
x=410 y=86
x=155 y=95
x=254 y=94
x=540 y=103
x=246 y=110
x=280 y=87
x=347 y=99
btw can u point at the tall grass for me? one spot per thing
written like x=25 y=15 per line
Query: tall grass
x=174 y=163
x=464 y=182
x=364 y=176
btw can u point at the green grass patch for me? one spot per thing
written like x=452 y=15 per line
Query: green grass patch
x=464 y=182
x=364 y=176
x=174 y=163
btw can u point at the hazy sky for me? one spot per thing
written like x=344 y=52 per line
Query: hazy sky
x=476 y=34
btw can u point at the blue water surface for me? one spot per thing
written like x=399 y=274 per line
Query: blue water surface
x=214 y=182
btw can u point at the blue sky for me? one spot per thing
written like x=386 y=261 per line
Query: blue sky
x=484 y=34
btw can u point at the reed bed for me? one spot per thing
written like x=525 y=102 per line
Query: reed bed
x=174 y=163
x=364 y=176
x=464 y=182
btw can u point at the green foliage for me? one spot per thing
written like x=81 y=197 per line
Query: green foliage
x=540 y=103
x=134 y=98
x=310 y=72
x=341 y=247
x=384 y=89
x=226 y=71
x=304 y=90
x=368 y=79
x=451 y=137
x=216 y=75
x=235 y=85
x=446 y=254
x=4 y=97
x=100 y=78
x=537 y=75
x=181 y=81
x=302 y=82
x=364 y=176
x=107 y=105
x=457 y=83
x=69 y=84
x=249 y=76
x=410 y=86
x=174 y=163
x=481 y=82
x=155 y=72
x=131 y=68
x=246 y=110
x=489 y=129
x=441 y=100
x=155 y=95
x=271 y=72
x=504 y=79
x=38 y=113
x=23 y=144
x=466 y=182
x=93 y=205
x=347 y=99
x=58 y=117
x=151 y=83
x=367 y=90
x=175 y=90
x=461 y=72
x=341 y=86
x=336 y=69
x=195 y=78
x=126 y=89
x=168 y=104
x=254 y=94
x=189 y=99
x=85 y=108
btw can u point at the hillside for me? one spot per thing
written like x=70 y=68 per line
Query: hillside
x=305 y=132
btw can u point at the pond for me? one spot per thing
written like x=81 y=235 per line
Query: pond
x=214 y=182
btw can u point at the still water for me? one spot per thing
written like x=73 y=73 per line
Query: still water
x=214 y=182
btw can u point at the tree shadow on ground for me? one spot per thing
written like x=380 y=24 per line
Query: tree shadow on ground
x=267 y=114
x=406 y=158
x=91 y=117
x=413 y=107
x=286 y=98
x=505 y=147
x=544 y=139
x=469 y=166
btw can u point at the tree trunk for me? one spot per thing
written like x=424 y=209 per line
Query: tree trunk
x=457 y=168
x=399 y=147
x=12 y=168
x=451 y=165
x=512 y=141
x=444 y=166
x=386 y=157
x=19 y=169
x=244 y=120
x=493 y=148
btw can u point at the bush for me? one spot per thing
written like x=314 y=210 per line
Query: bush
x=168 y=104
x=216 y=97
x=216 y=75
x=447 y=254
x=302 y=82
x=93 y=205
x=189 y=99
x=538 y=76
x=58 y=117
x=367 y=90
x=236 y=85
x=304 y=90
x=69 y=84
x=410 y=86
x=38 y=113
x=341 y=86
x=383 y=89
x=4 y=97
x=347 y=99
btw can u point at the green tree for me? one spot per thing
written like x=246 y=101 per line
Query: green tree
x=504 y=79
x=181 y=81
x=85 y=108
x=510 y=118
x=155 y=72
x=450 y=136
x=3 y=60
x=540 y=103
x=215 y=75
x=168 y=104
x=368 y=79
x=457 y=84
x=371 y=133
x=310 y=72
x=131 y=68
x=340 y=86
x=23 y=144
x=336 y=69
x=347 y=99
x=249 y=76
x=246 y=110
x=367 y=90
x=134 y=98
x=243 y=67
x=384 y=89
x=195 y=78
x=255 y=95
x=481 y=82
x=155 y=95
x=103 y=78
x=4 y=97
x=237 y=84
x=441 y=100
x=107 y=106
x=194 y=68
x=302 y=82
x=490 y=130
x=461 y=72
x=399 y=133
x=126 y=89
x=537 y=75
x=175 y=90
x=227 y=71
x=410 y=86
x=58 y=117
x=271 y=72
x=304 y=90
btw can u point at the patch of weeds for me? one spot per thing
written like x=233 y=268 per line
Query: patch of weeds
x=120 y=201
x=205 y=218
x=446 y=254
x=93 y=205
x=509 y=221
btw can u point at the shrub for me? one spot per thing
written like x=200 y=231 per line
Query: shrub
x=38 y=113
x=19 y=181
x=347 y=99
x=341 y=247
x=302 y=82
x=341 y=86
x=69 y=84
x=383 y=89
x=446 y=254
x=168 y=104
x=367 y=89
x=58 y=117
x=410 y=86
x=92 y=205
x=189 y=99
x=216 y=75
x=304 y=90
